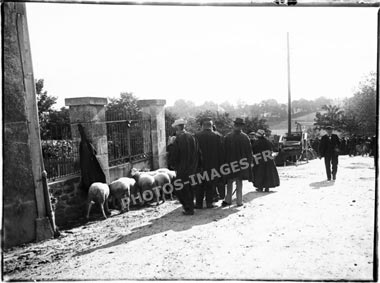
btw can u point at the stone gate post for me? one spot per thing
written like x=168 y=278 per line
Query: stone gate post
x=24 y=204
x=91 y=113
x=154 y=108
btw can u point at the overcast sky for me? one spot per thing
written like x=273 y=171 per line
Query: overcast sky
x=200 y=53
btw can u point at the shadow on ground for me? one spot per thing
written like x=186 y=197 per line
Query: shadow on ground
x=176 y=221
x=321 y=184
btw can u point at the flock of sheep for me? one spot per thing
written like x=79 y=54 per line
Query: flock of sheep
x=123 y=188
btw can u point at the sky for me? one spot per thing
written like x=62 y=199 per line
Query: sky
x=235 y=54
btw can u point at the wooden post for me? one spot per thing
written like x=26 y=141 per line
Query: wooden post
x=289 y=93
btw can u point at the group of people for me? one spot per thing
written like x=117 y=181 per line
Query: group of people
x=207 y=161
x=352 y=145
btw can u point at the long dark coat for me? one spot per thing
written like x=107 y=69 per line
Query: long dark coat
x=237 y=147
x=265 y=173
x=211 y=146
x=185 y=155
x=329 y=147
x=90 y=167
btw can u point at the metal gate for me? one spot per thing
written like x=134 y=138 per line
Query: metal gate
x=129 y=140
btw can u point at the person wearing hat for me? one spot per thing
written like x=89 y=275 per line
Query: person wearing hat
x=185 y=159
x=211 y=146
x=237 y=149
x=265 y=175
x=329 y=149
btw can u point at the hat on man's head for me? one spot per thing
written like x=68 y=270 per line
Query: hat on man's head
x=179 y=122
x=329 y=127
x=206 y=119
x=239 y=121
x=260 y=133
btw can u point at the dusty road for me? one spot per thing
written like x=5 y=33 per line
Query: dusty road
x=307 y=228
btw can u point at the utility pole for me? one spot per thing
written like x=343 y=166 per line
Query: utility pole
x=289 y=93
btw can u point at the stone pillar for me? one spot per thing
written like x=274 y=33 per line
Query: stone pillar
x=91 y=113
x=154 y=108
x=25 y=207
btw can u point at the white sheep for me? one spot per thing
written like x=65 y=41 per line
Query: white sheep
x=121 y=188
x=144 y=182
x=98 y=193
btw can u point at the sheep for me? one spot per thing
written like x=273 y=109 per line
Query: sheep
x=172 y=176
x=144 y=182
x=160 y=179
x=98 y=193
x=120 y=189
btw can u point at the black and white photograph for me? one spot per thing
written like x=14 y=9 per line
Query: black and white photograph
x=190 y=140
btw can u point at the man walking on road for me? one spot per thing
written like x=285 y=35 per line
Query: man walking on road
x=211 y=146
x=329 y=149
x=238 y=154
x=185 y=158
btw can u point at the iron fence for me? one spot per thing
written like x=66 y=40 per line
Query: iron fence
x=129 y=138
x=60 y=153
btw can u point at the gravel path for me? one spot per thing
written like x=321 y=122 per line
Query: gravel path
x=307 y=228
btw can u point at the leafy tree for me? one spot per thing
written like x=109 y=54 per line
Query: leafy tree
x=44 y=104
x=123 y=107
x=170 y=117
x=227 y=107
x=44 y=101
x=54 y=124
x=360 y=109
x=321 y=101
x=332 y=117
x=183 y=109
x=208 y=105
x=252 y=124
x=222 y=121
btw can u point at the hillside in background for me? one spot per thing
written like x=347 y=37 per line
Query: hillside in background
x=280 y=128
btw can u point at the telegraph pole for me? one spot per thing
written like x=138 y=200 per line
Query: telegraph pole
x=289 y=93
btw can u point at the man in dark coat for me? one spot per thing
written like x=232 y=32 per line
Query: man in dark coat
x=352 y=146
x=238 y=156
x=184 y=157
x=329 y=149
x=265 y=173
x=211 y=146
x=220 y=185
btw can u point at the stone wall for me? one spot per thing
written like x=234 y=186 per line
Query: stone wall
x=124 y=170
x=68 y=200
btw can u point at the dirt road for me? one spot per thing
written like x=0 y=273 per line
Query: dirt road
x=307 y=228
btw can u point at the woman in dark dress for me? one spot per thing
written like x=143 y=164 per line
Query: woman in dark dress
x=265 y=173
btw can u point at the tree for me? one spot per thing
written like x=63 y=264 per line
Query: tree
x=332 y=117
x=44 y=105
x=44 y=101
x=321 y=101
x=252 y=124
x=360 y=109
x=54 y=124
x=183 y=109
x=170 y=117
x=123 y=107
x=222 y=121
